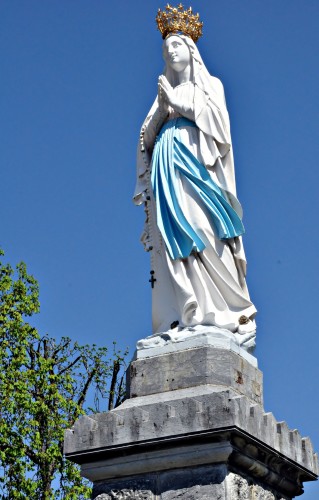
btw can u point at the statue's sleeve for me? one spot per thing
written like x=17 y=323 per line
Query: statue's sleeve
x=148 y=133
x=152 y=126
x=211 y=117
x=211 y=114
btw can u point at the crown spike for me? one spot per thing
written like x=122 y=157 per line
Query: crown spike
x=177 y=20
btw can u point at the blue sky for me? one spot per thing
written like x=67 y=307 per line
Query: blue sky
x=77 y=79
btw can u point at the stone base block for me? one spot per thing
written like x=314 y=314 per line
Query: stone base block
x=193 y=368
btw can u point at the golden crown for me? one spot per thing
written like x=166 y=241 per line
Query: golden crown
x=176 y=20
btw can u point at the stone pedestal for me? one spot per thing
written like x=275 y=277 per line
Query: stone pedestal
x=193 y=427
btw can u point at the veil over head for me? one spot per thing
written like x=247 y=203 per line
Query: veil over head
x=207 y=89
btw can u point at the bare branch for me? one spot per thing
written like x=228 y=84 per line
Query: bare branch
x=86 y=388
x=60 y=348
x=66 y=368
x=116 y=369
x=119 y=397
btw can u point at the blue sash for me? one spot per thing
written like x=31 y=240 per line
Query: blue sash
x=169 y=157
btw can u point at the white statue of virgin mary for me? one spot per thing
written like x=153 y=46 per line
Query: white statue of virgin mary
x=185 y=178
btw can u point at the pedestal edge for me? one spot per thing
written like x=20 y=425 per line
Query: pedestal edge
x=241 y=451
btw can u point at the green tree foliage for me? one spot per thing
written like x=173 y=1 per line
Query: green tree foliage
x=44 y=388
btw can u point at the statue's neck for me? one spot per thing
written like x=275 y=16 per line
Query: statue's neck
x=184 y=76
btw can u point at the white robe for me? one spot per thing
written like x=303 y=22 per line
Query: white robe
x=208 y=287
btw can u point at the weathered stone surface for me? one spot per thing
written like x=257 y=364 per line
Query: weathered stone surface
x=138 y=487
x=193 y=368
x=126 y=495
x=205 y=483
x=155 y=457
x=197 y=413
x=239 y=488
x=228 y=446
x=190 y=411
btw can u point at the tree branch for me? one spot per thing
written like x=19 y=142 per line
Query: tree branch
x=70 y=365
x=86 y=388
x=116 y=369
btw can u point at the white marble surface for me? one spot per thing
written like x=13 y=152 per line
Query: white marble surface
x=206 y=286
x=189 y=338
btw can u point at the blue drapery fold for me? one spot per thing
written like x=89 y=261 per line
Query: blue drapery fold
x=171 y=156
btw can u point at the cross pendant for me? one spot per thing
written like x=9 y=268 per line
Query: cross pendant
x=152 y=280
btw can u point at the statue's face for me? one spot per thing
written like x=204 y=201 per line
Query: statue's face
x=176 y=53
